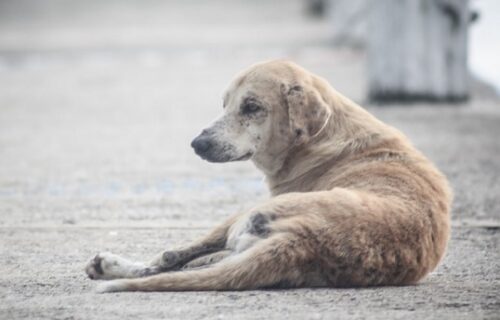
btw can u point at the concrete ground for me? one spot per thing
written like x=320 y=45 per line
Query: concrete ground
x=98 y=104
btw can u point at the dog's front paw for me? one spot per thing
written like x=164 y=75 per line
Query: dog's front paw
x=96 y=267
x=106 y=266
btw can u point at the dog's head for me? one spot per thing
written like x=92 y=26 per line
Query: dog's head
x=268 y=109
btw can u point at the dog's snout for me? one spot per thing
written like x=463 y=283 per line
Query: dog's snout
x=201 y=144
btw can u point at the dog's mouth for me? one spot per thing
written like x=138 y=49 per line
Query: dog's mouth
x=218 y=157
x=244 y=157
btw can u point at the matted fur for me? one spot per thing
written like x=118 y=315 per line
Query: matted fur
x=353 y=202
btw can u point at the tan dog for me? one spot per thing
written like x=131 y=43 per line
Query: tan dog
x=354 y=204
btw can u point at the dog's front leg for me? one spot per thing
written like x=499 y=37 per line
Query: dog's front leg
x=108 y=266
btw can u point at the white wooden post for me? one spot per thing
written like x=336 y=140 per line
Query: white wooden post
x=348 y=19
x=417 y=50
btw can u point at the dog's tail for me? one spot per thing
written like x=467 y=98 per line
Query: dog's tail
x=270 y=262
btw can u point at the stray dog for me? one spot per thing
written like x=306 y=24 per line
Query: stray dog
x=353 y=203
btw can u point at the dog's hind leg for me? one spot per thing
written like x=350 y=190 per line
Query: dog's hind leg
x=107 y=266
x=278 y=260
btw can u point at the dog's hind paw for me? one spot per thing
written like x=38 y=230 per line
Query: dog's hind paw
x=111 y=286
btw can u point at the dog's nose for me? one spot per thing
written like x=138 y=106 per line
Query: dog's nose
x=201 y=144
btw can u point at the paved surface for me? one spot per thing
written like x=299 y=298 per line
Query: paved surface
x=98 y=104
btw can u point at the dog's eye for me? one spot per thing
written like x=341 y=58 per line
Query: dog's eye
x=250 y=107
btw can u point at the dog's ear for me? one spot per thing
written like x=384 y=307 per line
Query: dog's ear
x=308 y=113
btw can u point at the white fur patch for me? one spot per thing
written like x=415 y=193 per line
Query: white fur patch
x=239 y=239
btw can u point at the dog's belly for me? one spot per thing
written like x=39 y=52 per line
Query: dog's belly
x=240 y=236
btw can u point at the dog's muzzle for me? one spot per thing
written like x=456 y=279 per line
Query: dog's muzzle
x=207 y=146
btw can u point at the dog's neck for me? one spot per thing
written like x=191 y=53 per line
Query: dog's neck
x=350 y=131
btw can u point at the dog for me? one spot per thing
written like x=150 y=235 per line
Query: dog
x=353 y=203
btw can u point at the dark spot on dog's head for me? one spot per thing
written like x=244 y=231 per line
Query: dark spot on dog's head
x=310 y=128
x=295 y=88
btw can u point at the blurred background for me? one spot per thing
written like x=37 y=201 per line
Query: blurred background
x=99 y=101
